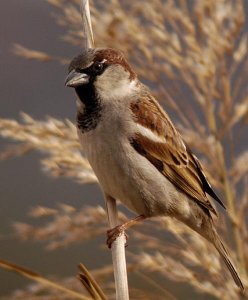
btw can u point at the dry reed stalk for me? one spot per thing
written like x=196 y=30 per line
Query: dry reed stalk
x=118 y=253
x=90 y=284
x=38 y=278
x=118 y=246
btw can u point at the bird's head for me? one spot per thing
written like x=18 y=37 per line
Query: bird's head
x=103 y=70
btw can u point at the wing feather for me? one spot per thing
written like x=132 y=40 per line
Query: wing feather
x=170 y=155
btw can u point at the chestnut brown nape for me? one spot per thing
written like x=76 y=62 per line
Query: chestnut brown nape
x=114 y=56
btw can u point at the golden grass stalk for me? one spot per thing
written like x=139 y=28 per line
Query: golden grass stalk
x=90 y=284
x=38 y=278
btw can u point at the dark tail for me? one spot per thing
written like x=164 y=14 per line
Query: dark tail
x=224 y=254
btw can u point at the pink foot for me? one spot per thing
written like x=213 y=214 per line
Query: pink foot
x=114 y=233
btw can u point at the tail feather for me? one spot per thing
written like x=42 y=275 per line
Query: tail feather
x=225 y=256
x=208 y=231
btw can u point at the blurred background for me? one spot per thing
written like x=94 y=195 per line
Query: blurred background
x=38 y=89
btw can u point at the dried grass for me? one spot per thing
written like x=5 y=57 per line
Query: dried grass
x=196 y=54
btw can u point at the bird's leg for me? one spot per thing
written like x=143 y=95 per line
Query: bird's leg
x=113 y=233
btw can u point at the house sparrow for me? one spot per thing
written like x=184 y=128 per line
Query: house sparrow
x=135 y=151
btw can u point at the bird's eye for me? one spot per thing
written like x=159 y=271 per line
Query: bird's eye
x=97 y=67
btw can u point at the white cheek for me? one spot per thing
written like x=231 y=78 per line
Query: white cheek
x=115 y=84
x=124 y=89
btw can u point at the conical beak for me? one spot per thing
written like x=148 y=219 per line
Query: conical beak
x=75 y=79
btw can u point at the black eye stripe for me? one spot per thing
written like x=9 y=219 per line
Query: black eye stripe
x=95 y=69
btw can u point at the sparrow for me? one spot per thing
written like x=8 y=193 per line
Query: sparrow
x=136 y=152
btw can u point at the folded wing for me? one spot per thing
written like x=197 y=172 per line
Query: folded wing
x=157 y=139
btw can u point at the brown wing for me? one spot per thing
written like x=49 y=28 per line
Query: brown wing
x=170 y=156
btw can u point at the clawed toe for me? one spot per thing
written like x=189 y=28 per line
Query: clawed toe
x=117 y=231
x=114 y=233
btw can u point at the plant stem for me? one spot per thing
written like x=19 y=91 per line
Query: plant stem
x=40 y=279
x=89 y=282
x=227 y=187
x=231 y=208
x=118 y=253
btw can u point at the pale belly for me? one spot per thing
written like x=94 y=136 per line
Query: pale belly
x=116 y=179
x=127 y=176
